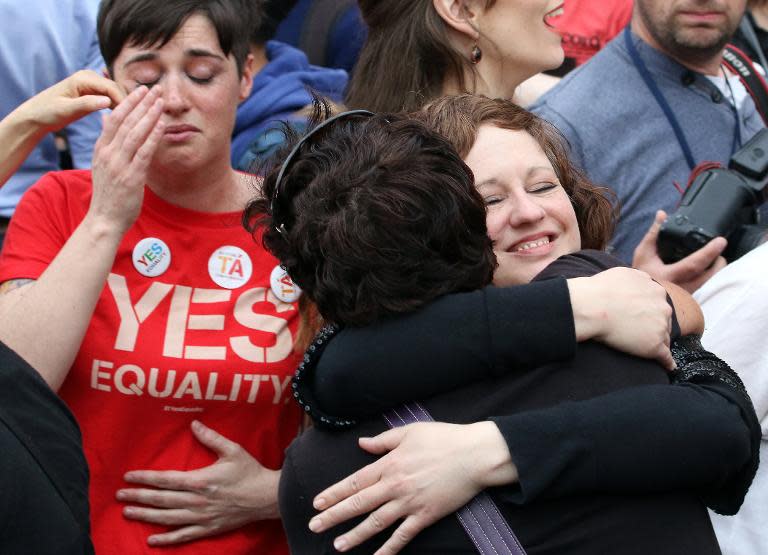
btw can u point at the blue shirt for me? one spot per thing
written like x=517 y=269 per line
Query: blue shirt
x=620 y=136
x=44 y=41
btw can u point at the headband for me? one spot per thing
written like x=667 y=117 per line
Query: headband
x=286 y=164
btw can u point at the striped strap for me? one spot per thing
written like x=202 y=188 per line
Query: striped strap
x=480 y=517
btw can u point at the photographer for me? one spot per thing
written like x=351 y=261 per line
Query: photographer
x=664 y=76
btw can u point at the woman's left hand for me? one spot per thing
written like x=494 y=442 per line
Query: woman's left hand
x=228 y=494
x=429 y=471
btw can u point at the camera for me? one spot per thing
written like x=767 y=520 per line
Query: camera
x=721 y=203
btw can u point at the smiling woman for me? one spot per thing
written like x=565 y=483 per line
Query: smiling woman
x=159 y=313
x=530 y=217
x=540 y=206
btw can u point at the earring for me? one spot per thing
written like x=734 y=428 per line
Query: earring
x=476 y=54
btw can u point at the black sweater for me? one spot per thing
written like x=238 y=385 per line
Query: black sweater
x=603 y=468
x=44 y=492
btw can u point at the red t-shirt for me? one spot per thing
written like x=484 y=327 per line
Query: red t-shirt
x=588 y=25
x=161 y=351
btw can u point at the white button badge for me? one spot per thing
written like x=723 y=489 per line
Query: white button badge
x=230 y=267
x=283 y=286
x=151 y=257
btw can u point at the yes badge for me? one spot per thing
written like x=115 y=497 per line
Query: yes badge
x=151 y=257
x=283 y=286
x=230 y=267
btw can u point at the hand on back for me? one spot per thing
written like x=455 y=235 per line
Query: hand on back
x=625 y=309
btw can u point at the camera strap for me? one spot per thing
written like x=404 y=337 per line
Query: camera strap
x=740 y=64
x=653 y=87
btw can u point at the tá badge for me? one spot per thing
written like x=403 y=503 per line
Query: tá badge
x=283 y=286
x=230 y=267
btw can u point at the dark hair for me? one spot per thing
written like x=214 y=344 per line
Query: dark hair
x=459 y=118
x=267 y=15
x=148 y=22
x=406 y=56
x=380 y=217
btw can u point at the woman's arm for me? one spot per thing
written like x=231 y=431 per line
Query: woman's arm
x=467 y=337
x=53 y=109
x=58 y=306
x=687 y=311
x=701 y=434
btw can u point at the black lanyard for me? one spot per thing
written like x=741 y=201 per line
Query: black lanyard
x=664 y=105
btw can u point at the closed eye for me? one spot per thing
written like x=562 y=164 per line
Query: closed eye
x=543 y=187
x=148 y=84
x=201 y=80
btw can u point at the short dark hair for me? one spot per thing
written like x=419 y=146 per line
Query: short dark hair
x=148 y=22
x=459 y=117
x=380 y=217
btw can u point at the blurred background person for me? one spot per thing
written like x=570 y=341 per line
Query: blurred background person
x=665 y=76
x=418 y=50
x=330 y=32
x=283 y=83
x=586 y=27
x=752 y=36
x=44 y=41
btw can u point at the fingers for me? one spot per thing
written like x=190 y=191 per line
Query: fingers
x=401 y=537
x=116 y=118
x=166 y=517
x=355 y=505
x=693 y=284
x=142 y=141
x=384 y=442
x=90 y=103
x=164 y=499
x=652 y=234
x=376 y=522
x=87 y=82
x=666 y=360
x=137 y=125
x=719 y=264
x=214 y=440
x=646 y=250
x=177 y=480
x=350 y=485
x=147 y=150
x=698 y=262
x=180 y=535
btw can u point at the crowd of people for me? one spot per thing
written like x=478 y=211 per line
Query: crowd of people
x=328 y=296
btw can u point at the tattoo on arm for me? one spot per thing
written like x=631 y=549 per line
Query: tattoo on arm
x=12 y=284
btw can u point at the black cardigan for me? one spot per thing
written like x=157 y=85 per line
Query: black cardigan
x=608 y=453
